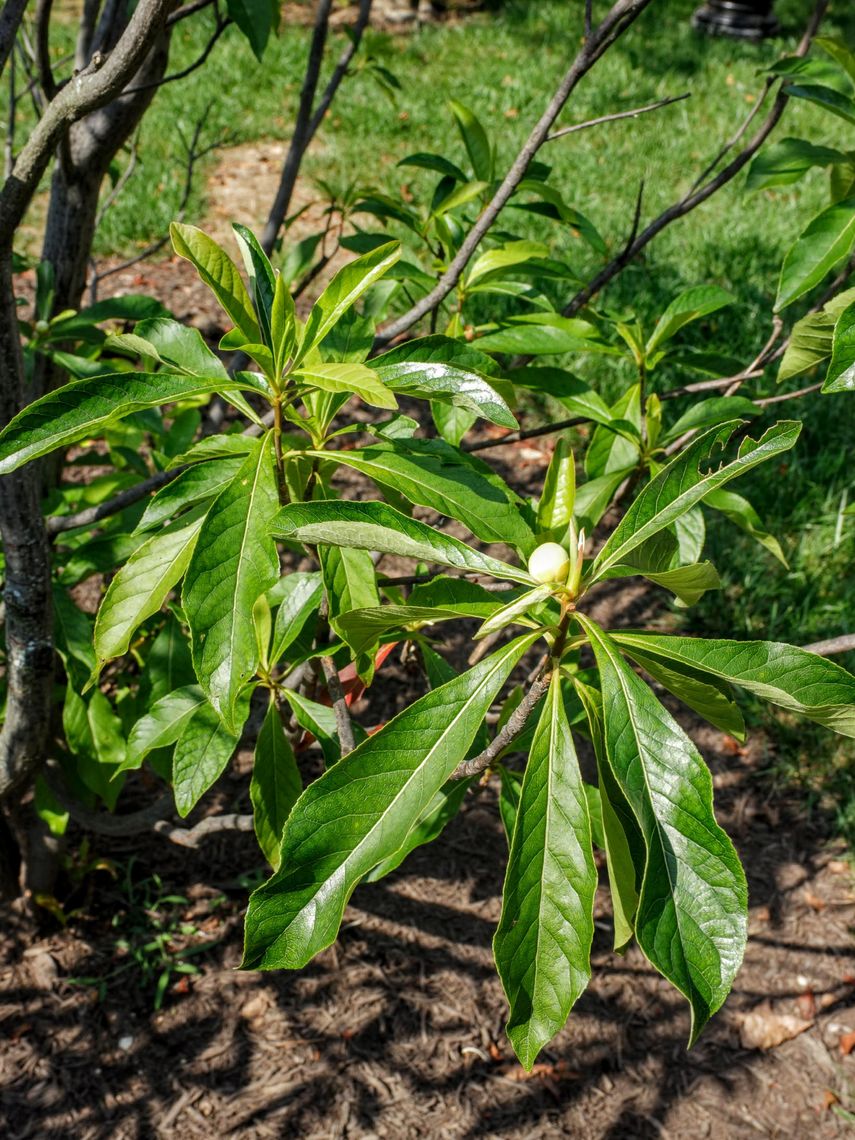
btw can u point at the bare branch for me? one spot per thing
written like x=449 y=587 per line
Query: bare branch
x=10 y=21
x=186 y=10
x=300 y=137
x=621 y=16
x=767 y=401
x=222 y=24
x=529 y=433
x=42 y=47
x=516 y=723
x=59 y=524
x=95 y=87
x=843 y=644
x=344 y=62
x=697 y=195
x=210 y=825
x=342 y=713
x=633 y=114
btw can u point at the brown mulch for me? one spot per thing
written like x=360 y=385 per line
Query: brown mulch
x=397 y=1030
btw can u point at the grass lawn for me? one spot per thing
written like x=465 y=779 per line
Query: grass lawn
x=505 y=65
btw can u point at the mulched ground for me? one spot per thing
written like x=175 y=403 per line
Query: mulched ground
x=397 y=1030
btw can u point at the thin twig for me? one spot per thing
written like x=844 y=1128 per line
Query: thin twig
x=529 y=433
x=832 y=645
x=768 y=400
x=188 y=10
x=210 y=825
x=300 y=134
x=696 y=196
x=342 y=713
x=58 y=524
x=633 y=114
x=516 y=723
x=42 y=47
x=10 y=20
x=222 y=24
x=621 y=16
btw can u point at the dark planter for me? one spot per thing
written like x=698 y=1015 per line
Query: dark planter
x=743 y=19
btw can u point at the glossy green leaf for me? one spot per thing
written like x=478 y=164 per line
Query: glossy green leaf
x=692 y=909
x=788 y=161
x=276 y=784
x=350 y=582
x=616 y=445
x=163 y=723
x=173 y=345
x=740 y=512
x=545 y=334
x=361 y=811
x=283 y=324
x=691 y=305
x=829 y=98
x=202 y=752
x=683 y=483
x=594 y=496
x=199 y=482
x=440 y=811
x=687 y=583
x=543 y=942
x=301 y=596
x=499 y=260
x=784 y=675
x=812 y=337
x=262 y=279
x=826 y=240
x=143 y=584
x=578 y=398
x=475 y=140
x=555 y=509
x=234 y=562
x=377 y=527
x=84 y=408
x=841 y=370
x=438 y=368
x=256 y=19
x=346 y=287
x=220 y=274
x=354 y=379
x=430 y=473
x=710 y=413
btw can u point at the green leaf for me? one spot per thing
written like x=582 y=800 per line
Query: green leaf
x=440 y=811
x=504 y=257
x=199 y=482
x=84 y=408
x=377 y=527
x=555 y=509
x=740 y=512
x=354 y=379
x=283 y=324
x=543 y=942
x=351 y=583
x=256 y=19
x=220 y=274
x=361 y=812
x=594 y=496
x=301 y=597
x=174 y=345
x=142 y=585
x=709 y=697
x=812 y=338
x=841 y=370
x=617 y=445
x=784 y=675
x=204 y=748
x=262 y=279
x=475 y=140
x=687 y=583
x=680 y=485
x=691 y=305
x=710 y=413
x=624 y=845
x=276 y=784
x=788 y=161
x=826 y=240
x=430 y=473
x=234 y=562
x=163 y=723
x=839 y=51
x=545 y=334
x=439 y=368
x=830 y=99
x=435 y=162
x=692 y=908
x=347 y=286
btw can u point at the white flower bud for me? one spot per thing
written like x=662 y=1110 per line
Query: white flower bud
x=549 y=563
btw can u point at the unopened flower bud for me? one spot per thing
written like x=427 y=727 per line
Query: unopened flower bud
x=549 y=563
